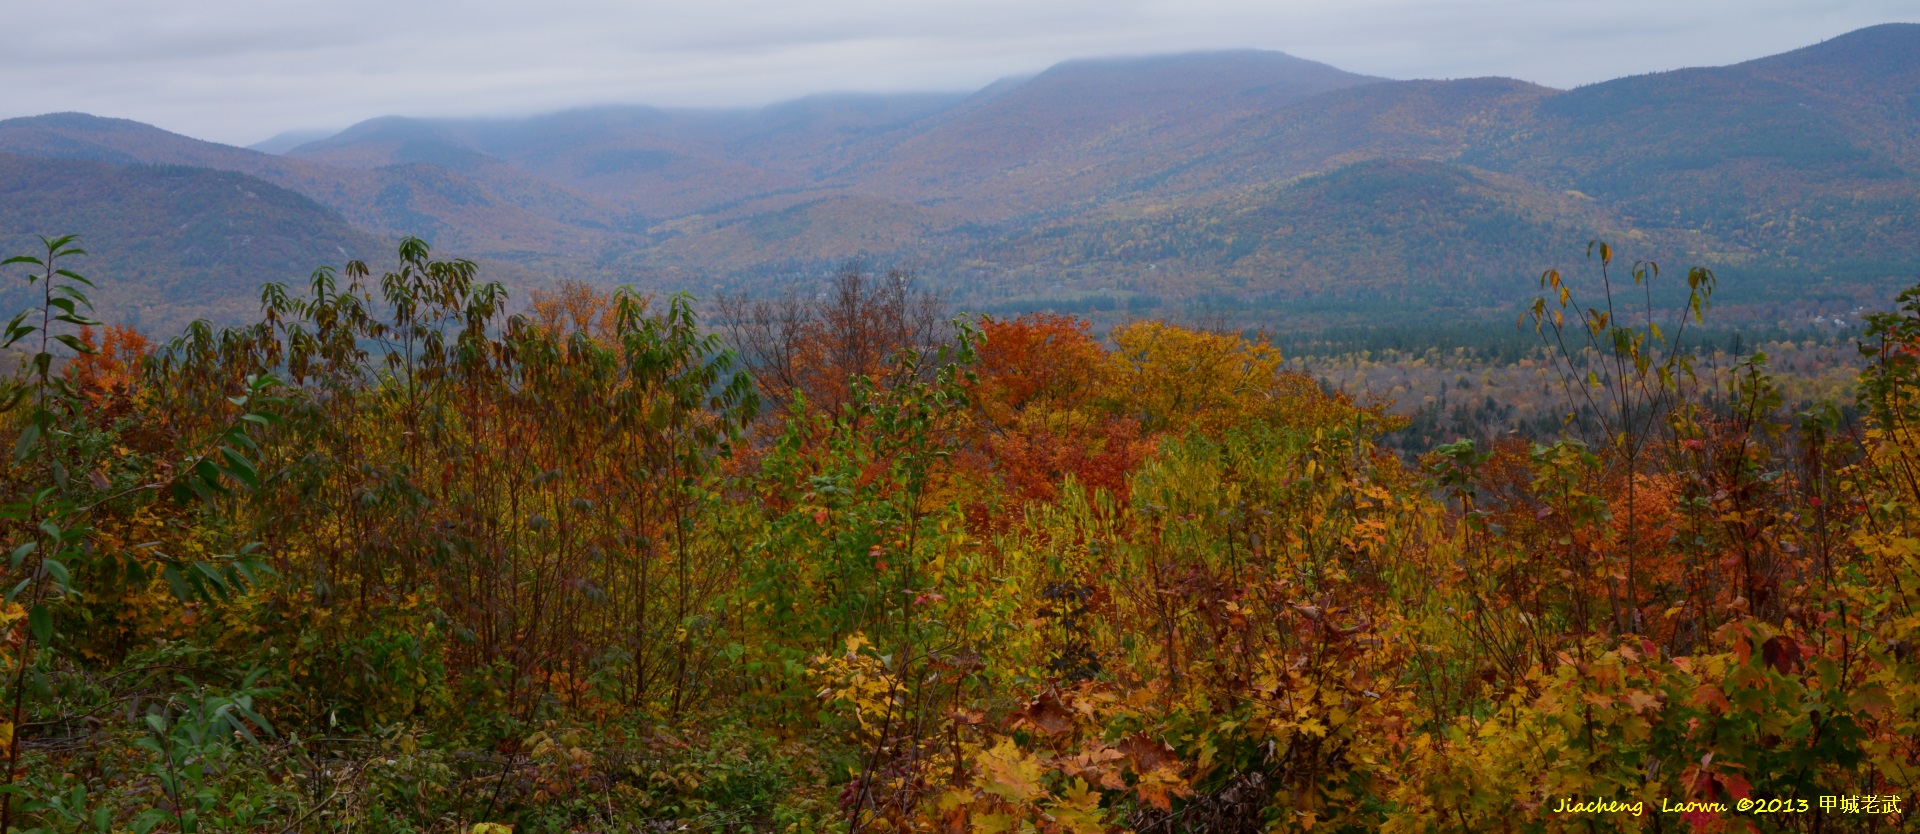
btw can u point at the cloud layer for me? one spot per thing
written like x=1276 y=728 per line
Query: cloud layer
x=241 y=70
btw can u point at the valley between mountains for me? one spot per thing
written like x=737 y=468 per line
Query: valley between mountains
x=1251 y=186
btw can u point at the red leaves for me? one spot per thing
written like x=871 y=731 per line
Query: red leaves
x=1780 y=652
x=1037 y=357
x=1783 y=653
x=112 y=369
x=1735 y=786
x=1033 y=459
x=1709 y=696
x=1705 y=787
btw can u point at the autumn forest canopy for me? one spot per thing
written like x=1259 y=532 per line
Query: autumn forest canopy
x=407 y=554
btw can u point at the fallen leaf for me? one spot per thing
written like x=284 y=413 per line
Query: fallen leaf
x=1047 y=715
x=1147 y=754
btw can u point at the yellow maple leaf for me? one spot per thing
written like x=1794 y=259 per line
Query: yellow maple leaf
x=1079 y=809
x=1011 y=773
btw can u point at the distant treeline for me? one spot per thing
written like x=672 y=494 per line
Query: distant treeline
x=1503 y=343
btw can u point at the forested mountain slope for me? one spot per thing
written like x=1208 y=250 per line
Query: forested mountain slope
x=1182 y=177
x=169 y=243
x=435 y=199
x=1806 y=160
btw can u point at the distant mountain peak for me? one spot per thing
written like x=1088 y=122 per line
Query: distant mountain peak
x=1888 y=47
x=1246 y=57
x=1905 y=35
x=1197 y=71
x=281 y=143
x=393 y=140
x=381 y=128
x=76 y=121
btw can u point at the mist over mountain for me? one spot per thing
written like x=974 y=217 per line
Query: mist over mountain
x=1279 y=189
x=284 y=141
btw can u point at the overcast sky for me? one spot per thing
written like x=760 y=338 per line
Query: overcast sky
x=240 y=71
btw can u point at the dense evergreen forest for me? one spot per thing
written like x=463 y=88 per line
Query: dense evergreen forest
x=408 y=555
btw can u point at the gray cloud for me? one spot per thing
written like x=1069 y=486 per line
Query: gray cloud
x=240 y=70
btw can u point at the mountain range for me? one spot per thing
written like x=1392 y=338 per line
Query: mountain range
x=1268 y=187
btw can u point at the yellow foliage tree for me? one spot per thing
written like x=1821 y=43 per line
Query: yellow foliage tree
x=1180 y=379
